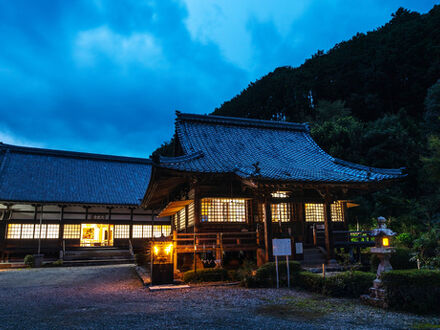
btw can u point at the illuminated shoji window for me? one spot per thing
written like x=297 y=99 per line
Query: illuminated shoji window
x=43 y=231
x=191 y=215
x=181 y=219
x=337 y=211
x=72 y=231
x=27 y=231
x=122 y=231
x=137 y=231
x=280 y=212
x=14 y=231
x=223 y=210
x=53 y=231
x=147 y=231
x=314 y=212
x=166 y=230
x=280 y=194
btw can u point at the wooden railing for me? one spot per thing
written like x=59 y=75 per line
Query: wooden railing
x=227 y=241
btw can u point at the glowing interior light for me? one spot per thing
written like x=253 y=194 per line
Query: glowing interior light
x=156 y=250
x=385 y=241
x=168 y=249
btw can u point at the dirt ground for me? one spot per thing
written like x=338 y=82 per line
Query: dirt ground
x=112 y=297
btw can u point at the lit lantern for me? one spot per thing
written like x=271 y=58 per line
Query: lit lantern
x=162 y=262
x=382 y=248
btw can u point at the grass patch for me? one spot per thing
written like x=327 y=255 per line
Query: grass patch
x=425 y=326
x=304 y=309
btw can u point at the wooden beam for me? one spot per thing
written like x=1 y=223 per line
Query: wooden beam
x=268 y=231
x=329 y=244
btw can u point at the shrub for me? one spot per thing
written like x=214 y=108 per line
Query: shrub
x=400 y=259
x=141 y=259
x=29 y=260
x=347 y=284
x=205 y=275
x=404 y=239
x=413 y=290
x=266 y=274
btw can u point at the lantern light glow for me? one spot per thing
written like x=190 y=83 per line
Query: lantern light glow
x=385 y=241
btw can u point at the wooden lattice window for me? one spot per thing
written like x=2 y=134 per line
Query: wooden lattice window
x=280 y=212
x=314 y=212
x=191 y=215
x=166 y=230
x=223 y=210
x=72 y=231
x=27 y=231
x=181 y=219
x=337 y=211
x=53 y=231
x=122 y=231
x=14 y=231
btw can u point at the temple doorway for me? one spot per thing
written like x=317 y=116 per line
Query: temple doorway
x=93 y=234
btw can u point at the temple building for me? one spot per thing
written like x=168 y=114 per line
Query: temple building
x=62 y=200
x=232 y=185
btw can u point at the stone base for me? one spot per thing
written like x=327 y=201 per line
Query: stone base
x=377 y=295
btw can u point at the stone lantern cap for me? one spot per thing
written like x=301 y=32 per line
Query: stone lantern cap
x=382 y=229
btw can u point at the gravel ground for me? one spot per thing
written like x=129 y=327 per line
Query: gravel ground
x=112 y=297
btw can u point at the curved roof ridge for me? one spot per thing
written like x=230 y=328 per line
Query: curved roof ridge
x=72 y=154
x=184 y=158
x=387 y=171
x=248 y=122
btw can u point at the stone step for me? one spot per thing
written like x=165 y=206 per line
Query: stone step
x=75 y=263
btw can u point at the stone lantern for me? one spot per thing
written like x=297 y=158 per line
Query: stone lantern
x=383 y=250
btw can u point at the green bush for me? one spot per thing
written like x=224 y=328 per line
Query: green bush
x=29 y=260
x=346 y=284
x=400 y=259
x=205 y=275
x=404 y=239
x=413 y=290
x=141 y=259
x=266 y=275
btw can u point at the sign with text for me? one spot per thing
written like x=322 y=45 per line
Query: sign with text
x=281 y=247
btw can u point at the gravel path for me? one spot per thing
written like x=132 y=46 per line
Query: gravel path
x=112 y=297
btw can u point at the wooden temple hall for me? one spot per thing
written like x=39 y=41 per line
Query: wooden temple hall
x=232 y=185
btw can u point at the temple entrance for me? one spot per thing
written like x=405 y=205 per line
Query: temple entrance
x=93 y=234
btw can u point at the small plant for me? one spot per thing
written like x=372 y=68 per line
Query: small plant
x=206 y=275
x=58 y=262
x=29 y=260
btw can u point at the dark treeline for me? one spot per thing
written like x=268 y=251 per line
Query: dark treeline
x=375 y=100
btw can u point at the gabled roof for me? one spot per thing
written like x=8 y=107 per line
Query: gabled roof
x=43 y=175
x=268 y=150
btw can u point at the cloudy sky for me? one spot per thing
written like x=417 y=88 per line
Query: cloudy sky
x=106 y=76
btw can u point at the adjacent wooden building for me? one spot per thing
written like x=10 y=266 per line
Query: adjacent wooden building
x=62 y=200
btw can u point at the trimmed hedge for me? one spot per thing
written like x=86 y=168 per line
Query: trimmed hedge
x=399 y=260
x=413 y=290
x=206 y=275
x=346 y=284
x=266 y=275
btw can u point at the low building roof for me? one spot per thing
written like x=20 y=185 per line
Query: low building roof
x=53 y=176
x=269 y=150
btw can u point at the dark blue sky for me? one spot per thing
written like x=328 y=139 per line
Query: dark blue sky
x=106 y=76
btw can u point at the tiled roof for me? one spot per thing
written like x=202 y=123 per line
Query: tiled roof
x=264 y=149
x=42 y=175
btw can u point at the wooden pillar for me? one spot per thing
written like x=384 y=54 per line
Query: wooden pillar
x=131 y=224
x=197 y=209
x=3 y=227
x=61 y=231
x=329 y=246
x=268 y=231
x=175 y=251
